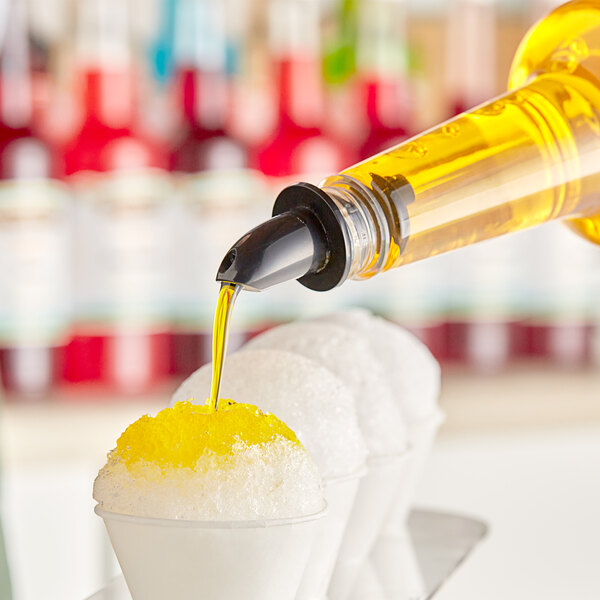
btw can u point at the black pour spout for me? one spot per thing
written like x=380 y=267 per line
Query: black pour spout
x=306 y=239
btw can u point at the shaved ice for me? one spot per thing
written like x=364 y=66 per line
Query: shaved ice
x=411 y=370
x=348 y=355
x=308 y=397
x=189 y=462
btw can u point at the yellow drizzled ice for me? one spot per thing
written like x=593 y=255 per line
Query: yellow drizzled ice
x=179 y=436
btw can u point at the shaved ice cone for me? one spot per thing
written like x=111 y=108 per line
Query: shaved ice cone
x=203 y=503
x=340 y=494
x=422 y=436
x=220 y=560
x=375 y=494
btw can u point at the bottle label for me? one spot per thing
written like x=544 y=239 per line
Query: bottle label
x=124 y=250
x=34 y=262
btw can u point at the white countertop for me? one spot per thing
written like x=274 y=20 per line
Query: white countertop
x=540 y=493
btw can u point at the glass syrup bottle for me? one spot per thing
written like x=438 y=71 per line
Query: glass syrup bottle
x=106 y=148
x=382 y=63
x=203 y=90
x=34 y=216
x=107 y=136
x=298 y=145
x=523 y=158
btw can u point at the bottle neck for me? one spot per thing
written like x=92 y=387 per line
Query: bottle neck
x=300 y=91
x=366 y=226
x=201 y=59
x=107 y=97
x=386 y=104
x=16 y=106
x=340 y=43
x=382 y=49
x=104 y=66
x=200 y=35
x=16 y=98
x=204 y=98
x=471 y=73
x=295 y=46
x=513 y=163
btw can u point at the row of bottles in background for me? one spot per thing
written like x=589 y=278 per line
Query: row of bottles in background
x=116 y=285
x=214 y=85
x=109 y=276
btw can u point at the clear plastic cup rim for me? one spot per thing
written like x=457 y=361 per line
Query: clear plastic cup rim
x=356 y=474
x=193 y=524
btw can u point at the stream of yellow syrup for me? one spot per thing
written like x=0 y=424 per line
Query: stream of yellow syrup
x=227 y=296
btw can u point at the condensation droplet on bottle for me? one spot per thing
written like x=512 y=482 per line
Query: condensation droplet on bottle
x=491 y=110
x=412 y=150
x=519 y=97
x=451 y=130
x=580 y=48
x=568 y=56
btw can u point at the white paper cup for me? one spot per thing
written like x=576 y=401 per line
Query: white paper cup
x=367 y=584
x=421 y=437
x=220 y=560
x=340 y=493
x=375 y=493
x=395 y=563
